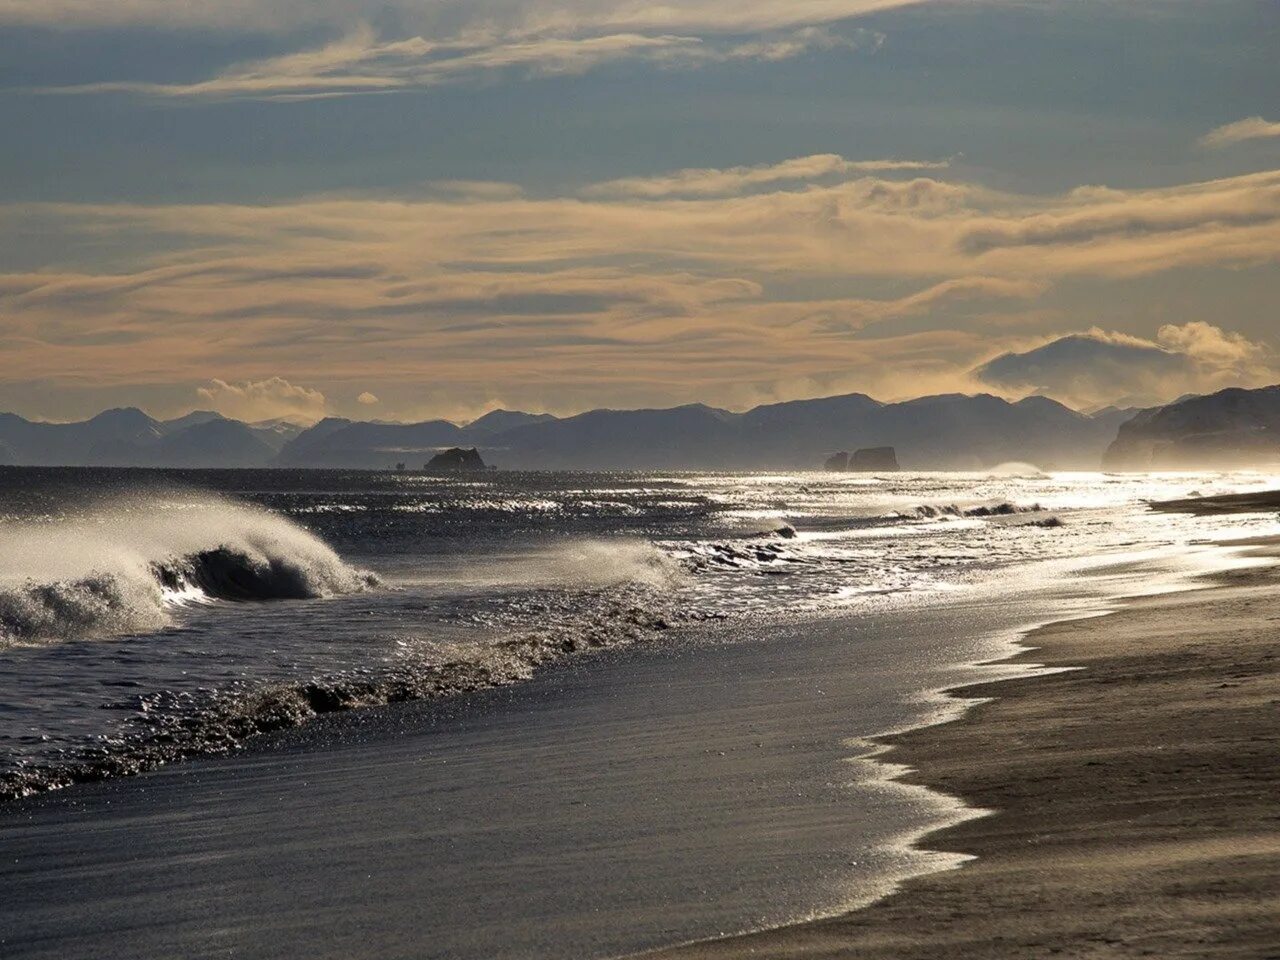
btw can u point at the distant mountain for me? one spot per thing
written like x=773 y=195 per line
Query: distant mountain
x=213 y=443
x=793 y=431
x=193 y=419
x=129 y=438
x=1114 y=417
x=953 y=431
x=276 y=433
x=499 y=421
x=1231 y=428
x=356 y=444
x=112 y=437
x=675 y=438
x=254 y=445
x=1084 y=365
x=945 y=432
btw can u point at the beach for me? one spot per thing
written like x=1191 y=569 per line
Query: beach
x=1132 y=798
x=632 y=800
x=716 y=747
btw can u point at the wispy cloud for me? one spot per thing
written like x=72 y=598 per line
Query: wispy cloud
x=361 y=63
x=710 y=182
x=604 y=295
x=445 y=17
x=1251 y=128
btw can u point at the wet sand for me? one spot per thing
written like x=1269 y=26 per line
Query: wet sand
x=1255 y=502
x=637 y=799
x=1137 y=800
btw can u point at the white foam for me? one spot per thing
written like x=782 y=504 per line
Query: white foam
x=122 y=567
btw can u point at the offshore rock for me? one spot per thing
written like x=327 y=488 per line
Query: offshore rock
x=457 y=459
x=878 y=459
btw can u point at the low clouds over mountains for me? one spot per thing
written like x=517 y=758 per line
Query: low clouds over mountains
x=1098 y=368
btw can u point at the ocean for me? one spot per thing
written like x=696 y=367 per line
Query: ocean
x=573 y=640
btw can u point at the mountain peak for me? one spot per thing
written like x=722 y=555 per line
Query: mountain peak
x=123 y=415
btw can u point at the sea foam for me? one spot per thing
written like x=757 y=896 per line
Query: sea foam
x=122 y=567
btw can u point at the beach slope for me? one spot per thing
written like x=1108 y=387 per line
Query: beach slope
x=1136 y=800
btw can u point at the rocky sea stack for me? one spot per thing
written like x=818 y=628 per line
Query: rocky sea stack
x=878 y=459
x=457 y=458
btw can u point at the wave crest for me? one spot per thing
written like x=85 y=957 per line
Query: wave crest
x=938 y=511
x=123 y=568
x=166 y=726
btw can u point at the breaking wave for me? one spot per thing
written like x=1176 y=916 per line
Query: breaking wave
x=167 y=726
x=936 y=512
x=761 y=549
x=124 y=568
x=593 y=564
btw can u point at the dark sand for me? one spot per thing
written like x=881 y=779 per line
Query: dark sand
x=642 y=798
x=1138 y=799
x=1256 y=502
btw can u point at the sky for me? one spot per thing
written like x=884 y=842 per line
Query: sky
x=406 y=209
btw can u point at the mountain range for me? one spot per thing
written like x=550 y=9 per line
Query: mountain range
x=951 y=431
x=127 y=437
x=1231 y=428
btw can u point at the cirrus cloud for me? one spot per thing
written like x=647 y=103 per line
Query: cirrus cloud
x=625 y=295
x=1251 y=128
x=711 y=182
x=360 y=61
x=448 y=18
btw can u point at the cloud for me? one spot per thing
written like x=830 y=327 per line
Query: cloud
x=850 y=315
x=477 y=189
x=1207 y=343
x=1252 y=128
x=1101 y=367
x=494 y=292
x=366 y=399
x=253 y=400
x=1098 y=215
x=448 y=18
x=784 y=46
x=710 y=182
x=361 y=62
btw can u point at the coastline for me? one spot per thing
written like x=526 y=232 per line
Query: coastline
x=1130 y=797
x=522 y=821
x=366 y=809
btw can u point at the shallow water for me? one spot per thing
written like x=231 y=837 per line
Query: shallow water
x=133 y=603
x=636 y=799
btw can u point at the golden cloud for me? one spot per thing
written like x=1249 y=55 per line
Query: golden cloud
x=605 y=291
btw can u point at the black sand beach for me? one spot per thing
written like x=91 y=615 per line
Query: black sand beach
x=1134 y=800
x=637 y=800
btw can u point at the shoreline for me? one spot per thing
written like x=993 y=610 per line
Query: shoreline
x=456 y=830
x=800 y=698
x=1122 y=796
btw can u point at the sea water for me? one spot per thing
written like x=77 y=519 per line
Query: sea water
x=152 y=616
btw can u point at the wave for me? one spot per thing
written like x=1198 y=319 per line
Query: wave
x=125 y=567
x=769 y=527
x=1017 y=470
x=758 y=549
x=593 y=564
x=169 y=726
x=936 y=512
